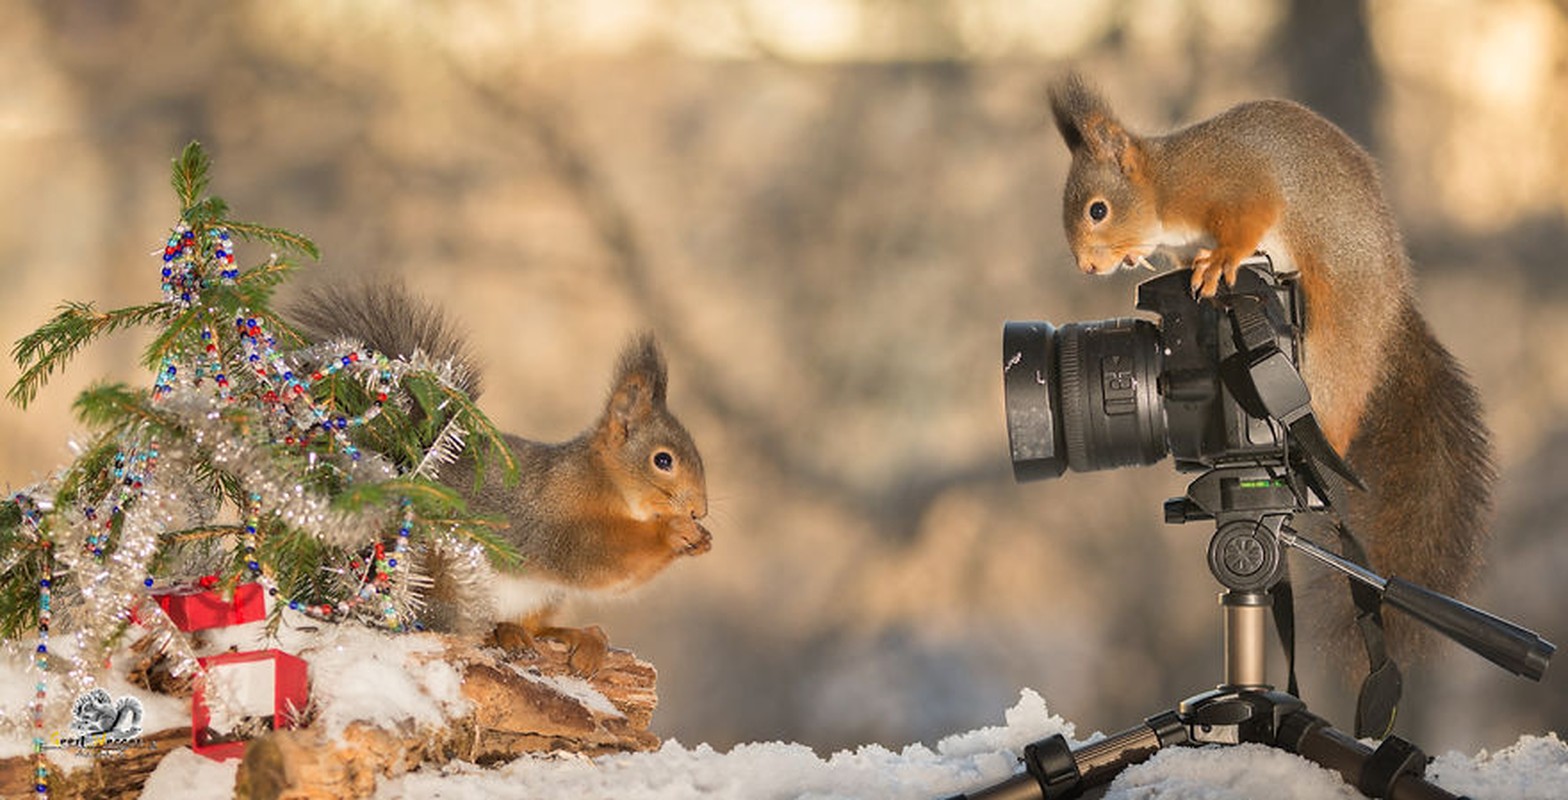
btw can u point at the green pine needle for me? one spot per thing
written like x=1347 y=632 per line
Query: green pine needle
x=208 y=211
x=118 y=407
x=190 y=175
x=276 y=237
x=49 y=347
x=493 y=441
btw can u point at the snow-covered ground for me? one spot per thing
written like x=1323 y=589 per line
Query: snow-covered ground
x=357 y=673
x=1536 y=767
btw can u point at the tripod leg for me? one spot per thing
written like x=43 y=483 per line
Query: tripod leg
x=1052 y=770
x=1394 y=770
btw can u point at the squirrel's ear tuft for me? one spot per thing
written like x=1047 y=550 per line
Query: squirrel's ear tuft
x=1087 y=124
x=1071 y=104
x=641 y=360
x=640 y=383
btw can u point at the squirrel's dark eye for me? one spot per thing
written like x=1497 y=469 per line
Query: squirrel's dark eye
x=664 y=461
x=1098 y=210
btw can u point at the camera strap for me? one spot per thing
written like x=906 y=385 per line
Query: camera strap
x=1378 y=701
x=1283 y=395
x=1276 y=384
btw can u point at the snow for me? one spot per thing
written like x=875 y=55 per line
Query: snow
x=183 y=775
x=577 y=689
x=763 y=770
x=361 y=674
x=1536 y=768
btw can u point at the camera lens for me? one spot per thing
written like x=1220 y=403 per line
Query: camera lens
x=1083 y=396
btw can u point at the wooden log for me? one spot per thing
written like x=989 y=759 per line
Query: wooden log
x=517 y=706
x=109 y=775
x=530 y=705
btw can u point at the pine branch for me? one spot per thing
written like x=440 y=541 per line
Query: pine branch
x=493 y=441
x=76 y=324
x=117 y=406
x=427 y=497
x=277 y=237
x=89 y=473
x=208 y=211
x=446 y=449
x=485 y=532
x=190 y=175
x=19 y=591
x=181 y=333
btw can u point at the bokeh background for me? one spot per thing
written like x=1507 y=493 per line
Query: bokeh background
x=825 y=209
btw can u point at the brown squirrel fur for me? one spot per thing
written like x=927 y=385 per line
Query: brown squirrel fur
x=603 y=512
x=1274 y=176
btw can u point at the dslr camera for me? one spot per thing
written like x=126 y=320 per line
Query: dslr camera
x=1208 y=382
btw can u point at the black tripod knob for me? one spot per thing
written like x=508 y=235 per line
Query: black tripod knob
x=1245 y=555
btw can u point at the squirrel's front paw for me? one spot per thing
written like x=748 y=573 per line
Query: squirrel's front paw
x=1208 y=267
x=688 y=538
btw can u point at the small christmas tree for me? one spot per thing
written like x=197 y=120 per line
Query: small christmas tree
x=254 y=457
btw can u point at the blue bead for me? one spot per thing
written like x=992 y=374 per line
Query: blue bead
x=44 y=583
x=147 y=583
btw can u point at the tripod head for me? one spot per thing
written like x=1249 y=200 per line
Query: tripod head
x=1253 y=505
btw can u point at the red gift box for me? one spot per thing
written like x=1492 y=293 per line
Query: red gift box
x=261 y=690
x=194 y=608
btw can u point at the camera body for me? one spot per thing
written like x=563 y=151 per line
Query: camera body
x=1128 y=391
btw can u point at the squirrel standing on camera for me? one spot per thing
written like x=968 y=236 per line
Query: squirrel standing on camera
x=601 y=513
x=1274 y=176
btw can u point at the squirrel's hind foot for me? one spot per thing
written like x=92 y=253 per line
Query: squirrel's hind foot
x=586 y=648
x=514 y=639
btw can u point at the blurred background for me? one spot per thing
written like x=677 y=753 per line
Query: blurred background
x=825 y=209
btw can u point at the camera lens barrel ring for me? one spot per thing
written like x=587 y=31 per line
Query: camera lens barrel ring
x=1112 y=414
x=1075 y=401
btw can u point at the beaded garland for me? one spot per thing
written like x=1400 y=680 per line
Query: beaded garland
x=32 y=515
x=286 y=396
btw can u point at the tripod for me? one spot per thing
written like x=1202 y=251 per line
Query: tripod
x=1252 y=507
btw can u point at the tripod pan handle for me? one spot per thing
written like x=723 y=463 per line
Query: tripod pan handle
x=1499 y=641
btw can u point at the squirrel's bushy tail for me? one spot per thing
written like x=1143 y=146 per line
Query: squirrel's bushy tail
x=384 y=316
x=1424 y=451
